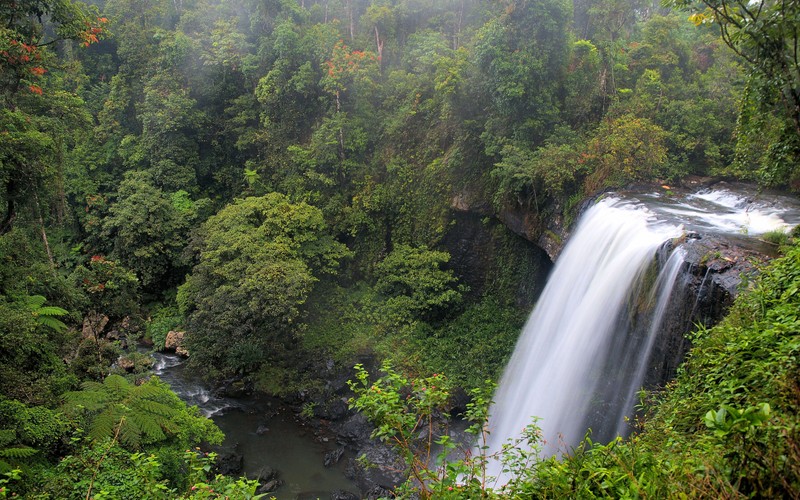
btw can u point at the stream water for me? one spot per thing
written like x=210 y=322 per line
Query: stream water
x=585 y=348
x=266 y=433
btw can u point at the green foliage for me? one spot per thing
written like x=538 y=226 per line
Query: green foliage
x=31 y=368
x=12 y=454
x=524 y=103
x=535 y=179
x=34 y=426
x=777 y=237
x=110 y=288
x=258 y=260
x=138 y=415
x=374 y=121
x=164 y=319
x=624 y=150
x=415 y=285
x=764 y=37
x=409 y=414
x=106 y=471
x=46 y=315
x=148 y=230
x=485 y=333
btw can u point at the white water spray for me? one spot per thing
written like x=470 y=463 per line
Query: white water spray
x=585 y=349
x=558 y=362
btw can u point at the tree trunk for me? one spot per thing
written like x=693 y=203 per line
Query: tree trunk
x=44 y=234
x=379 y=44
x=352 y=20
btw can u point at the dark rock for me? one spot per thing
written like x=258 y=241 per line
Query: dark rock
x=234 y=389
x=477 y=243
x=269 y=486
x=230 y=463
x=355 y=430
x=343 y=495
x=377 y=492
x=267 y=473
x=378 y=465
x=458 y=402
x=333 y=409
x=333 y=457
x=714 y=268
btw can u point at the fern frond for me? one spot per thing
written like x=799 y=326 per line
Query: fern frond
x=7 y=436
x=118 y=386
x=148 y=390
x=90 y=400
x=34 y=302
x=51 y=311
x=105 y=423
x=155 y=408
x=52 y=323
x=130 y=435
x=91 y=385
x=149 y=426
x=18 y=452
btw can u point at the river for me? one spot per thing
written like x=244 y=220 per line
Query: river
x=266 y=433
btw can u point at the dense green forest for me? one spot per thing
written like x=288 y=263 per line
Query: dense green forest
x=282 y=180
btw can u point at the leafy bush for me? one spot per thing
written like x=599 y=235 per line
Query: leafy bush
x=165 y=319
x=415 y=285
x=104 y=470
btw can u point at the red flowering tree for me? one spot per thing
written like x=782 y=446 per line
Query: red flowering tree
x=344 y=66
x=28 y=153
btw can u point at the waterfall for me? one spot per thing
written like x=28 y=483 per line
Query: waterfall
x=582 y=354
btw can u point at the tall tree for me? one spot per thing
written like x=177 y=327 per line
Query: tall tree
x=258 y=259
x=765 y=34
x=27 y=149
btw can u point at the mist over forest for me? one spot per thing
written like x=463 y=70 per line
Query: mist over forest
x=283 y=189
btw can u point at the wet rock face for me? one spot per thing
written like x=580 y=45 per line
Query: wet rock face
x=230 y=463
x=380 y=467
x=714 y=270
x=479 y=245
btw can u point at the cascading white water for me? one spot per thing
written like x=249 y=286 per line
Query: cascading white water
x=557 y=363
x=660 y=296
x=584 y=351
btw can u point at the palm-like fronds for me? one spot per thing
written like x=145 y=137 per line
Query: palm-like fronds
x=139 y=415
x=46 y=315
x=14 y=453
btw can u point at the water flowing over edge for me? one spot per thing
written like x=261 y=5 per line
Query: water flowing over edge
x=583 y=354
x=554 y=370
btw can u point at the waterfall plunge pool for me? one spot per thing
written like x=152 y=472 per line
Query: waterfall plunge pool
x=266 y=433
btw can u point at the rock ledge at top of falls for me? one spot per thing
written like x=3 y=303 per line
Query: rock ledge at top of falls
x=548 y=230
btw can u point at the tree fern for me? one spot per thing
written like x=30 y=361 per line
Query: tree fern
x=46 y=315
x=139 y=415
x=12 y=453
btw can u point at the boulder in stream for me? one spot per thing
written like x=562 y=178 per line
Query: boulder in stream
x=174 y=343
x=230 y=463
x=333 y=457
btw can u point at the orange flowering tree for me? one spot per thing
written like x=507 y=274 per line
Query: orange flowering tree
x=24 y=38
x=344 y=66
x=28 y=153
